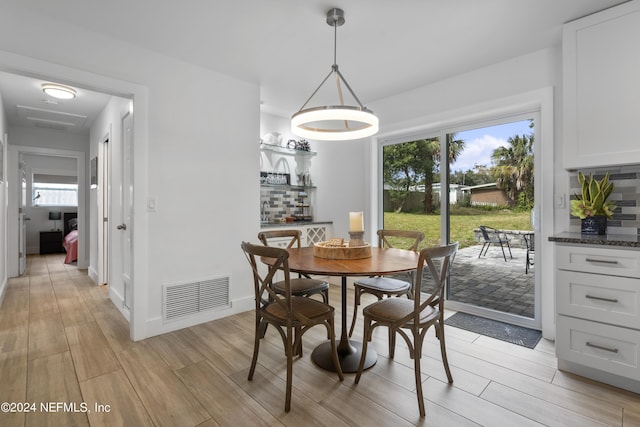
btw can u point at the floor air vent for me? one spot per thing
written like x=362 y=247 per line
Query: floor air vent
x=182 y=300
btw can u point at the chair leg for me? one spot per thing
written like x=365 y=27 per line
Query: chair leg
x=505 y=257
x=289 y=351
x=256 y=348
x=334 y=350
x=365 y=342
x=298 y=341
x=481 y=249
x=443 y=349
x=392 y=342
x=509 y=247
x=263 y=329
x=356 y=303
x=417 y=356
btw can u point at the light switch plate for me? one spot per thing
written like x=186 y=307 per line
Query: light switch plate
x=152 y=204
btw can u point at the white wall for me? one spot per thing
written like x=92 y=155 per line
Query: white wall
x=470 y=97
x=195 y=152
x=3 y=204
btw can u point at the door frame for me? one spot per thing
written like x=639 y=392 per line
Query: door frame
x=541 y=100
x=18 y=64
x=13 y=205
x=103 y=211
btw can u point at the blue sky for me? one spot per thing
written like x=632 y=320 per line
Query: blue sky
x=480 y=143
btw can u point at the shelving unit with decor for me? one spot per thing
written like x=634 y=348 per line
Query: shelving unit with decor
x=282 y=196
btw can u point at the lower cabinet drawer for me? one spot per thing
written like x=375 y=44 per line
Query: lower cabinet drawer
x=608 y=348
x=614 y=262
x=608 y=299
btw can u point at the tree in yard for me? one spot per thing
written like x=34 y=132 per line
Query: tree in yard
x=513 y=170
x=417 y=163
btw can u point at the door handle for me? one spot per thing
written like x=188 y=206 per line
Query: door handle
x=122 y=227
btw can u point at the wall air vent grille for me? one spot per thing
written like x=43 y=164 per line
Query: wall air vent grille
x=186 y=299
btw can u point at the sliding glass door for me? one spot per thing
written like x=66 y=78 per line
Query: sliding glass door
x=473 y=184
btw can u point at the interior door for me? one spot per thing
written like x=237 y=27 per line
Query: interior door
x=127 y=206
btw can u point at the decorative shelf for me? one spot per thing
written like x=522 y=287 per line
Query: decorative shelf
x=289 y=186
x=285 y=150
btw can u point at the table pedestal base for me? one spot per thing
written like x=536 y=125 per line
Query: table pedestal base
x=349 y=358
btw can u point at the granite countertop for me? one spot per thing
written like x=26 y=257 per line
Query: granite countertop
x=292 y=224
x=622 y=240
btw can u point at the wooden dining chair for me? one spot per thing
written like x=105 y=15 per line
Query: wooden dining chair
x=382 y=286
x=411 y=318
x=303 y=285
x=291 y=315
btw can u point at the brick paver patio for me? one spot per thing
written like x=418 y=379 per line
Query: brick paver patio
x=491 y=282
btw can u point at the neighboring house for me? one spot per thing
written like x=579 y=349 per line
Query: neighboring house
x=488 y=195
x=415 y=199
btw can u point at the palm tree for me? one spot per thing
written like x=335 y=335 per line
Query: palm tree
x=513 y=169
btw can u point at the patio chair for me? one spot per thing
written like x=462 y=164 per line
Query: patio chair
x=291 y=315
x=411 y=318
x=529 y=241
x=491 y=235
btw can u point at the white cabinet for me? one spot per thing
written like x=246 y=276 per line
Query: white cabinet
x=310 y=233
x=598 y=313
x=601 y=88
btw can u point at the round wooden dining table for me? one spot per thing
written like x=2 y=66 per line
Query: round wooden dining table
x=382 y=261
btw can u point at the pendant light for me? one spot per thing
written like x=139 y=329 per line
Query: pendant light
x=334 y=122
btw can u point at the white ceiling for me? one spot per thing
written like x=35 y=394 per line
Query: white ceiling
x=385 y=47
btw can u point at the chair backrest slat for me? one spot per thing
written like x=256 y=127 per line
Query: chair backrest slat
x=445 y=255
x=266 y=236
x=412 y=238
x=262 y=280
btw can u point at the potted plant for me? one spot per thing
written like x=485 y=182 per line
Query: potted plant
x=592 y=206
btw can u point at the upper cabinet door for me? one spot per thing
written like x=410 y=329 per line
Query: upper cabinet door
x=601 y=87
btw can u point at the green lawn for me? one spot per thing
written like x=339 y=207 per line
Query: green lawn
x=461 y=225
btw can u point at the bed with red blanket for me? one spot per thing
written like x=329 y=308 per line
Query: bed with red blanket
x=70 y=245
x=70 y=242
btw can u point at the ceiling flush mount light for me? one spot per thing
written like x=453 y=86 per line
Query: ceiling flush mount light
x=334 y=122
x=58 y=91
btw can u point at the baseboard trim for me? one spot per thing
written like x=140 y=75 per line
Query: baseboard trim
x=93 y=274
x=156 y=326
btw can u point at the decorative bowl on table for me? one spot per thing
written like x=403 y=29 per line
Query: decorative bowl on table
x=338 y=249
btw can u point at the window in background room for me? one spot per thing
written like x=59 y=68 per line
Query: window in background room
x=54 y=190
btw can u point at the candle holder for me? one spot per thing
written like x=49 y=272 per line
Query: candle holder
x=356 y=238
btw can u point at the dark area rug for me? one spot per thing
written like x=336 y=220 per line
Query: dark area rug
x=492 y=328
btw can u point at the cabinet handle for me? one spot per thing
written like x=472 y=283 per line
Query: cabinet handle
x=601 y=298
x=599 y=347
x=602 y=261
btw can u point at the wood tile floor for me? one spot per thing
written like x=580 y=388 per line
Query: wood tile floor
x=63 y=342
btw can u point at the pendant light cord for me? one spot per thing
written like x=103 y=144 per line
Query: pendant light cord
x=339 y=76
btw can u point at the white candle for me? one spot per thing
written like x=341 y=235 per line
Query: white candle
x=356 y=221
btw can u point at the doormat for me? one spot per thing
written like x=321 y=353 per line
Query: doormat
x=492 y=328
